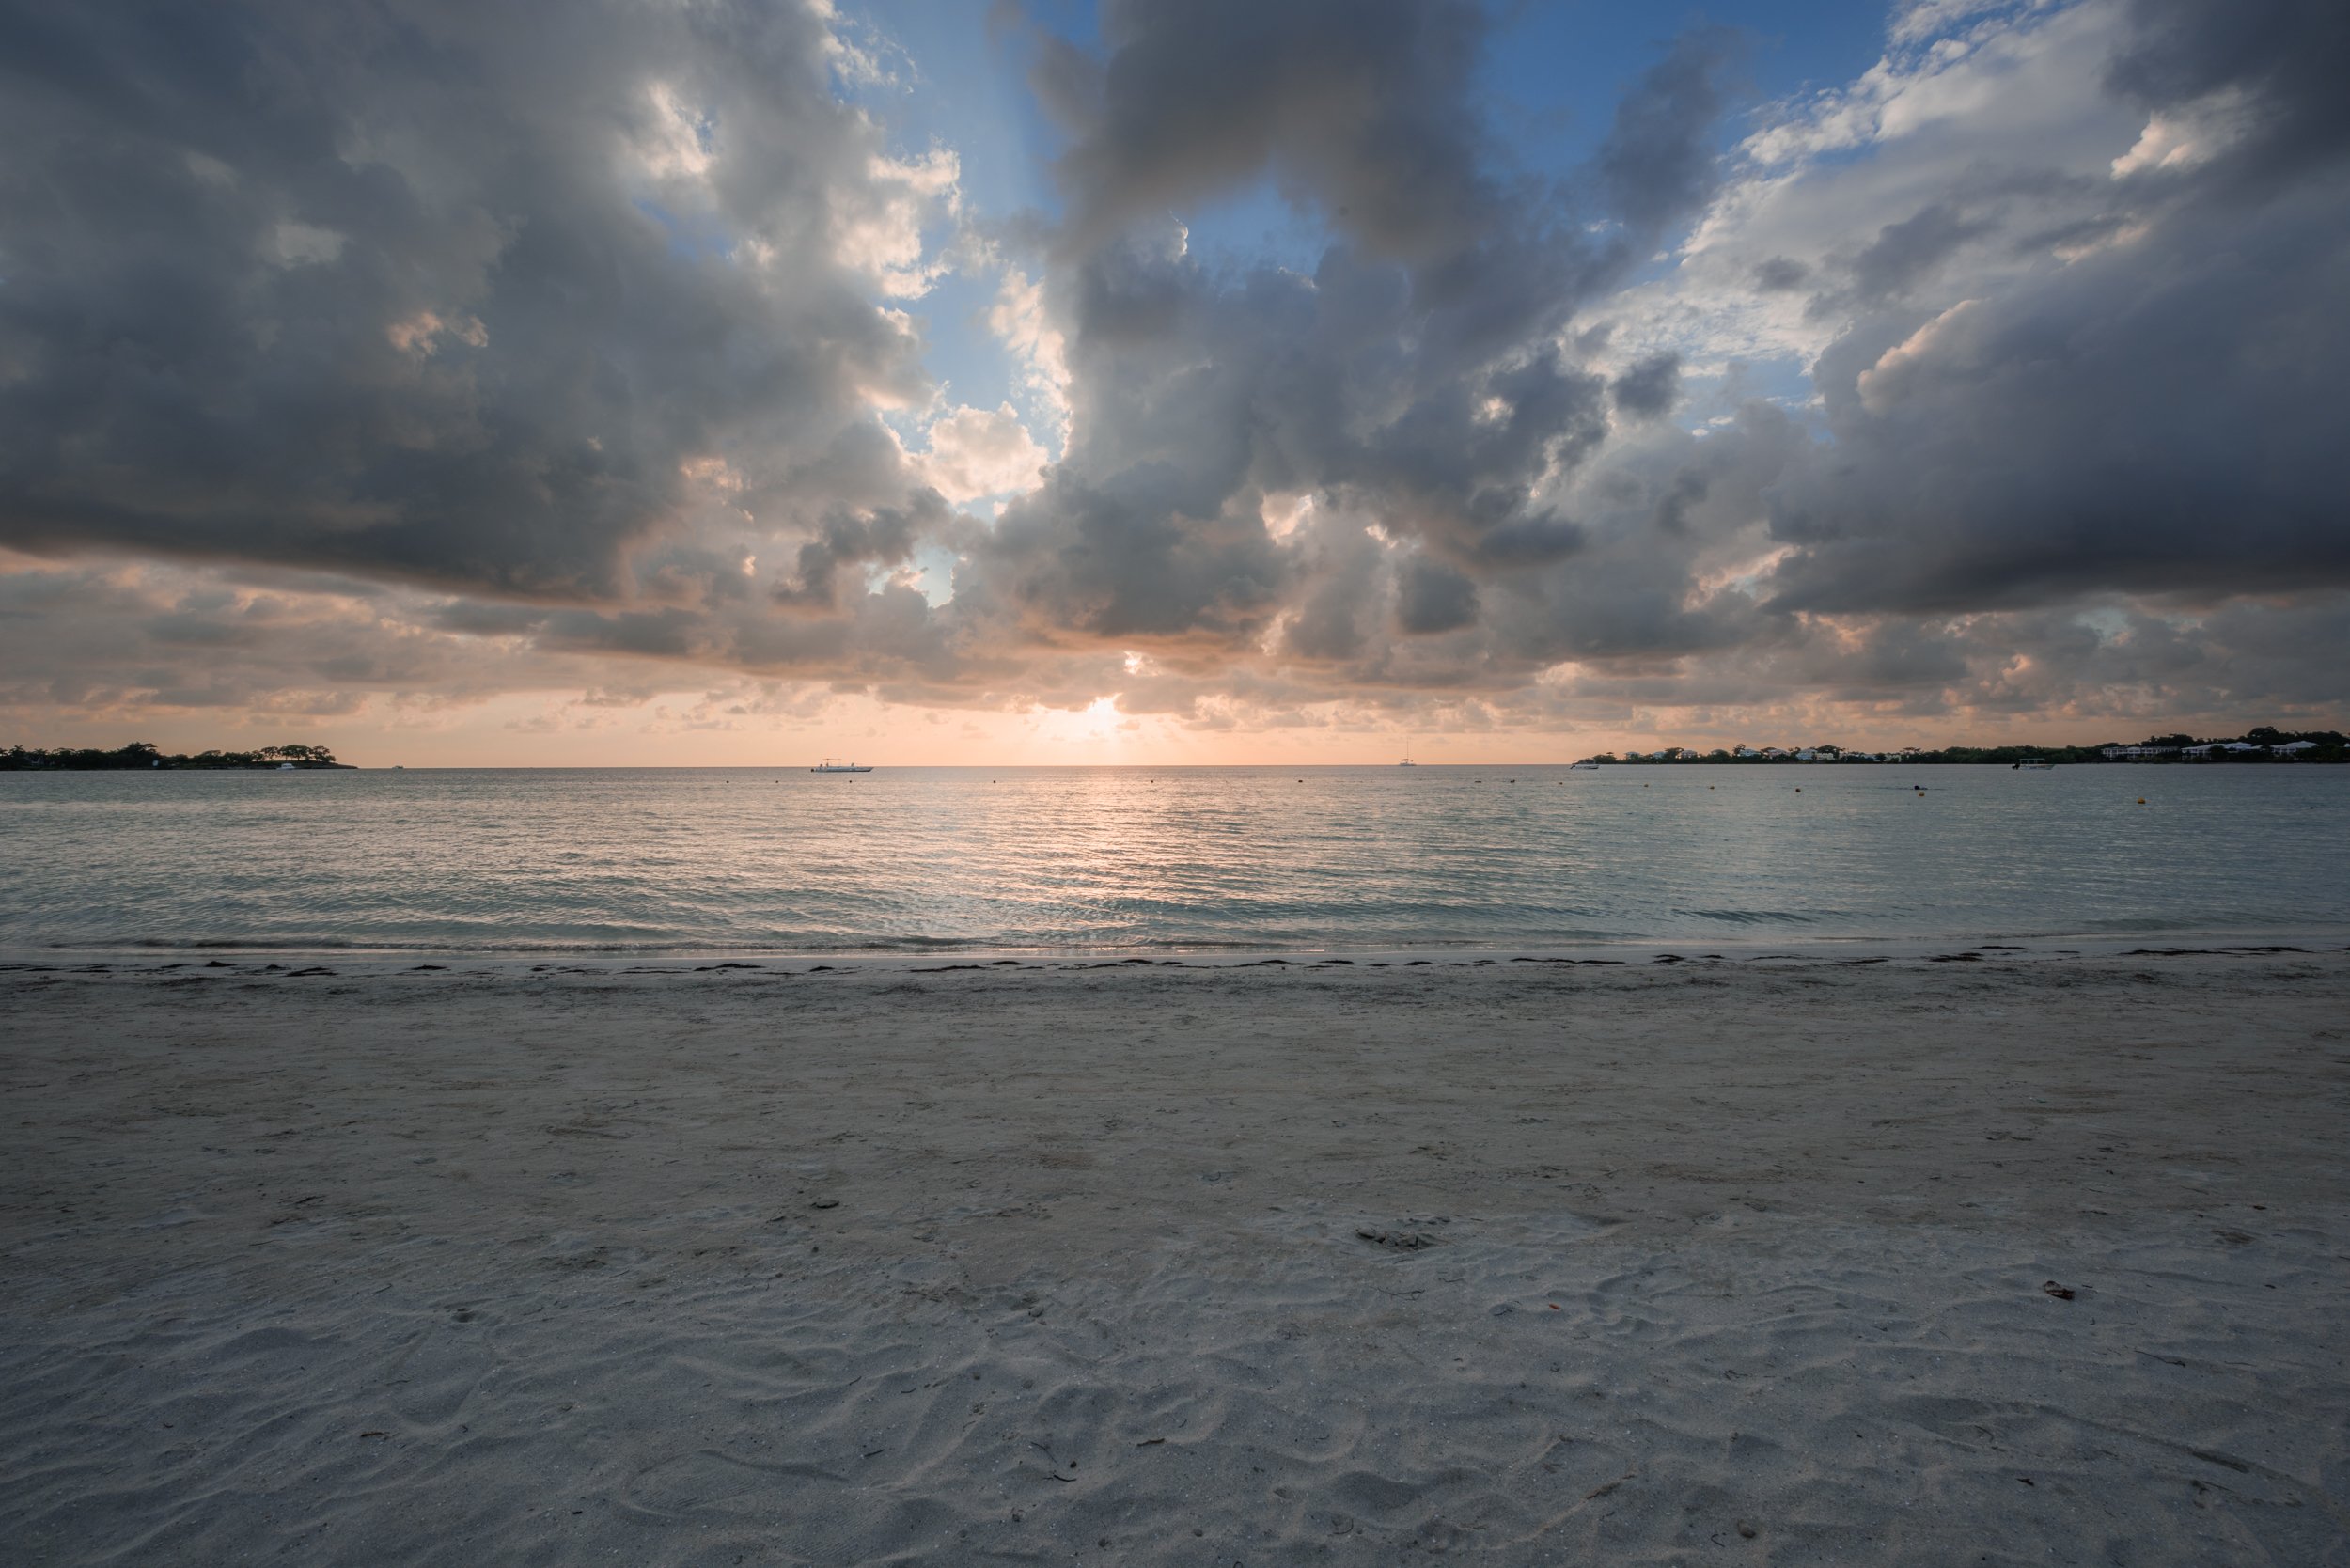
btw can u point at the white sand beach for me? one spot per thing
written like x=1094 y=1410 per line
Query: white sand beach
x=2018 y=1260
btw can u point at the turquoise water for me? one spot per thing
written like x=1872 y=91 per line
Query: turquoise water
x=678 y=860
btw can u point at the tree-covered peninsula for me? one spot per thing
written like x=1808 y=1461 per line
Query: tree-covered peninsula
x=2261 y=743
x=140 y=754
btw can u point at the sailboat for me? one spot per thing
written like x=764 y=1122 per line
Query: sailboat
x=829 y=766
x=1407 y=762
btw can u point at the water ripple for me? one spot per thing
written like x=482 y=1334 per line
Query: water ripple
x=1060 y=859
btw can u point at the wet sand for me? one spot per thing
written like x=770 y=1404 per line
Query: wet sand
x=2019 y=1259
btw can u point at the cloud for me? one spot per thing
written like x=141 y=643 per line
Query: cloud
x=1432 y=596
x=976 y=452
x=2277 y=63
x=1657 y=163
x=1906 y=253
x=2138 y=399
x=1414 y=383
x=1881 y=386
x=1649 y=388
x=1358 y=110
x=2081 y=339
x=360 y=356
x=881 y=224
x=2148 y=417
x=451 y=295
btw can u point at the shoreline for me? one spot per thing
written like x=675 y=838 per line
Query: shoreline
x=384 y=960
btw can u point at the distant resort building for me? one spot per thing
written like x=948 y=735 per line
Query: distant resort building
x=2206 y=750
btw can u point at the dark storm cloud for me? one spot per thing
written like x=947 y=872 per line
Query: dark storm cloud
x=2155 y=428
x=467 y=294
x=1413 y=381
x=549 y=309
x=2161 y=415
x=846 y=537
x=2288 y=58
x=1126 y=560
x=486 y=619
x=1334 y=613
x=1902 y=253
x=1657 y=163
x=670 y=634
x=94 y=637
x=1649 y=387
x=418 y=287
x=1337 y=384
x=1432 y=596
x=1358 y=108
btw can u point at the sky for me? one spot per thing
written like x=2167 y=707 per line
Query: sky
x=737 y=382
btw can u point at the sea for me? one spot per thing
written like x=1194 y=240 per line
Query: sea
x=1142 y=860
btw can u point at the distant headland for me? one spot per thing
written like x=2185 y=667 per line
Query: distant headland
x=2258 y=744
x=139 y=754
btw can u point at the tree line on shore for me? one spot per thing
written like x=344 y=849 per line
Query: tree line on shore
x=2261 y=743
x=140 y=754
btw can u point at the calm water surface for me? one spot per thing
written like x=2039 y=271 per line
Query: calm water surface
x=1086 y=858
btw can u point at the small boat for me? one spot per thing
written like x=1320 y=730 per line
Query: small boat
x=829 y=766
x=2032 y=764
x=1407 y=762
x=1583 y=767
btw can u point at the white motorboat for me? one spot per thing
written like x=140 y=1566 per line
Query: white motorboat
x=1583 y=767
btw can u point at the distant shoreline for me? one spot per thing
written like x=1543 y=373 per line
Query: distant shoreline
x=2258 y=744
x=189 y=766
x=140 y=756
x=197 y=764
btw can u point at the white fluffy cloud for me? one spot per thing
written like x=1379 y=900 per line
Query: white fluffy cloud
x=978 y=452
